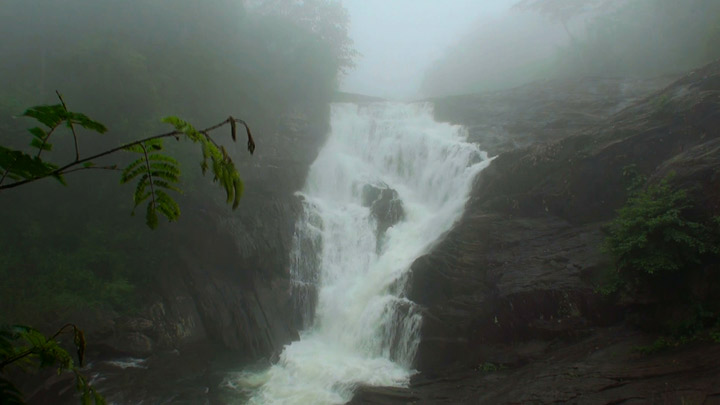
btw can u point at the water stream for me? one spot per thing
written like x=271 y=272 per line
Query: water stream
x=386 y=185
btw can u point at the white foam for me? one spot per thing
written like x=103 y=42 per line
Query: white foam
x=362 y=330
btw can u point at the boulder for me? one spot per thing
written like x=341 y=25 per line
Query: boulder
x=385 y=206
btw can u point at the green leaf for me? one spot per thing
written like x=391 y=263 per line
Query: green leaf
x=49 y=115
x=167 y=206
x=165 y=175
x=60 y=179
x=163 y=158
x=38 y=132
x=140 y=195
x=85 y=122
x=239 y=188
x=133 y=170
x=134 y=148
x=37 y=143
x=165 y=167
x=165 y=184
x=20 y=165
x=184 y=127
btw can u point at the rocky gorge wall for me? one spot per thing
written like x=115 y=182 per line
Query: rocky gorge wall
x=222 y=297
x=230 y=283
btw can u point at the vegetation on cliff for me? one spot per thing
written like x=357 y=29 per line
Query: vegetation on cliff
x=665 y=250
x=653 y=235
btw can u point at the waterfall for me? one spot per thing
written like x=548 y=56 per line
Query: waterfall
x=386 y=185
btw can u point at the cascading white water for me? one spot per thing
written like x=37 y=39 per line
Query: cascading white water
x=349 y=271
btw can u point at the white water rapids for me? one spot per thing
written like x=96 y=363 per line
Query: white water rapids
x=350 y=278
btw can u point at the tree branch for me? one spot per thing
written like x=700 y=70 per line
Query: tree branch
x=28 y=352
x=72 y=128
x=17 y=357
x=150 y=176
x=5 y=174
x=45 y=140
x=64 y=168
x=113 y=168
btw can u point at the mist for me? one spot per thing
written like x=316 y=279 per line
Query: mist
x=359 y=201
x=411 y=50
x=399 y=40
x=537 y=41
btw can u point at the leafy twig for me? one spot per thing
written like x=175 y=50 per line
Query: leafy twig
x=70 y=124
x=175 y=134
x=33 y=350
x=150 y=177
x=44 y=141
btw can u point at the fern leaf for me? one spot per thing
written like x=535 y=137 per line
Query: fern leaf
x=165 y=175
x=155 y=171
x=38 y=133
x=85 y=122
x=134 y=148
x=37 y=143
x=184 y=127
x=165 y=184
x=140 y=194
x=153 y=144
x=216 y=158
x=167 y=206
x=163 y=158
x=133 y=170
x=165 y=167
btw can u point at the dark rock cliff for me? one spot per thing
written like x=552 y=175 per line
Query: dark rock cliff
x=222 y=298
x=230 y=284
x=510 y=312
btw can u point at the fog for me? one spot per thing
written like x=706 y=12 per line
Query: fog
x=399 y=40
x=415 y=49
x=393 y=175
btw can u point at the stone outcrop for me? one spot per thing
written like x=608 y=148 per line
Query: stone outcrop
x=385 y=206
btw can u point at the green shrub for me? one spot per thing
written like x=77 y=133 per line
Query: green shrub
x=653 y=234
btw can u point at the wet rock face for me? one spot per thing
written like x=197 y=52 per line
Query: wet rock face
x=231 y=282
x=385 y=206
x=228 y=282
x=506 y=120
x=513 y=282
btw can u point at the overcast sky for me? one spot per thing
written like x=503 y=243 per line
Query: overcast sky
x=399 y=39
